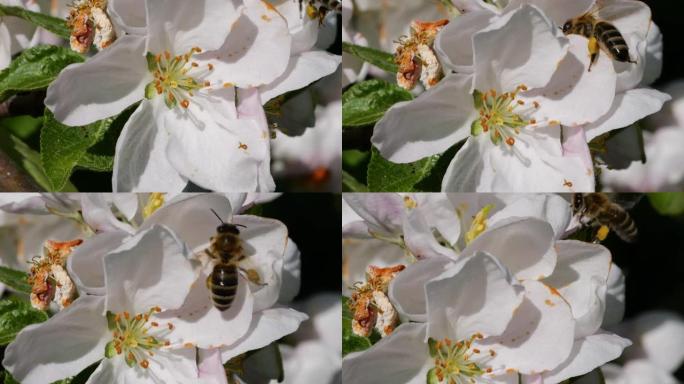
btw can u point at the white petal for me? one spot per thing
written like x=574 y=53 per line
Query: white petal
x=211 y=370
x=153 y=270
x=643 y=371
x=197 y=322
x=581 y=276
x=267 y=326
x=442 y=215
x=560 y=11
x=249 y=107
x=628 y=108
x=292 y=273
x=419 y=238
x=358 y=254
x=62 y=346
x=173 y=367
x=521 y=48
x=551 y=208
x=654 y=55
x=454 y=43
x=524 y=246
x=303 y=29
x=98 y=214
x=539 y=337
x=657 y=336
x=127 y=203
x=383 y=211
x=588 y=353
x=428 y=125
x=86 y=262
x=480 y=297
x=129 y=14
x=256 y=51
x=574 y=95
x=302 y=70
x=140 y=162
x=105 y=85
x=178 y=25
x=5 y=53
x=401 y=358
x=615 y=297
x=407 y=289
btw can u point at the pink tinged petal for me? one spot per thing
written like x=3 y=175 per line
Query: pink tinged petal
x=539 y=337
x=97 y=213
x=191 y=218
x=198 y=323
x=532 y=379
x=587 y=354
x=267 y=326
x=419 y=238
x=129 y=15
x=121 y=70
x=264 y=245
x=86 y=262
x=524 y=246
x=211 y=370
x=401 y=358
x=140 y=162
x=615 y=297
x=302 y=70
x=454 y=43
x=61 y=347
x=250 y=108
x=575 y=144
x=581 y=277
x=551 y=208
x=24 y=203
x=178 y=25
x=407 y=289
x=256 y=51
x=574 y=95
x=382 y=211
x=154 y=272
x=481 y=297
x=520 y=48
x=428 y=125
x=628 y=108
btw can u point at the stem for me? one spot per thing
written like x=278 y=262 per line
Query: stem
x=12 y=178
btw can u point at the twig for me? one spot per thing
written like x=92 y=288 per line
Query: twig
x=13 y=179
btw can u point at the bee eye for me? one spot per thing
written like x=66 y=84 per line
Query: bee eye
x=566 y=27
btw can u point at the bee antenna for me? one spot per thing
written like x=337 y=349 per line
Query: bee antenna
x=217 y=216
x=240 y=225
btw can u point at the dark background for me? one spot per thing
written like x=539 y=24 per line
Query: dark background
x=668 y=15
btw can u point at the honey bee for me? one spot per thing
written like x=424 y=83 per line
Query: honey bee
x=226 y=249
x=602 y=35
x=319 y=9
x=599 y=210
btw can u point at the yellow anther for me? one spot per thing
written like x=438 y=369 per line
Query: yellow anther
x=479 y=224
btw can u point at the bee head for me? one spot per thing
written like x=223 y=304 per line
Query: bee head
x=567 y=26
x=228 y=228
x=577 y=201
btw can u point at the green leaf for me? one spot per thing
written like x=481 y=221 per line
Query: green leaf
x=350 y=184
x=382 y=60
x=386 y=176
x=8 y=379
x=15 y=314
x=53 y=24
x=669 y=204
x=350 y=341
x=366 y=102
x=28 y=160
x=17 y=280
x=35 y=69
x=21 y=126
x=62 y=148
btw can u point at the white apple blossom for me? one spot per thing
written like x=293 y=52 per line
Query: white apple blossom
x=353 y=69
x=197 y=53
x=510 y=109
x=16 y=34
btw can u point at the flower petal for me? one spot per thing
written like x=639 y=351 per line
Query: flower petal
x=407 y=289
x=61 y=347
x=163 y=278
x=658 y=337
x=454 y=43
x=97 y=213
x=178 y=25
x=267 y=326
x=140 y=162
x=615 y=297
x=86 y=262
x=520 y=48
x=129 y=14
x=628 y=108
x=173 y=367
x=479 y=297
x=428 y=125
x=420 y=239
x=400 y=358
x=292 y=273
x=302 y=70
x=250 y=107
x=524 y=246
x=551 y=208
x=121 y=70
x=588 y=353
x=383 y=212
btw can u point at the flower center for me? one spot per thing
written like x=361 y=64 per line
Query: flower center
x=136 y=337
x=176 y=78
x=479 y=224
x=457 y=362
x=154 y=202
x=502 y=116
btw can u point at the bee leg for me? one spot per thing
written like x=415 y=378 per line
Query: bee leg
x=252 y=275
x=208 y=282
x=601 y=233
x=594 y=50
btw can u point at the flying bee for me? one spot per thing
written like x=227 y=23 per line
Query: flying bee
x=226 y=249
x=319 y=9
x=599 y=210
x=602 y=35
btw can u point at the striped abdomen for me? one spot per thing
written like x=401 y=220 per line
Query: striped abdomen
x=612 y=41
x=620 y=222
x=223 y=285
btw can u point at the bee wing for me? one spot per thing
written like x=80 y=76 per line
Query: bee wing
x=625 y=200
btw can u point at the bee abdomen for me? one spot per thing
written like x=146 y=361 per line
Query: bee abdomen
x=613 y=41
x=224 y=284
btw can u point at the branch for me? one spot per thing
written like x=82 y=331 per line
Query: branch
x=12 y=178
